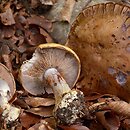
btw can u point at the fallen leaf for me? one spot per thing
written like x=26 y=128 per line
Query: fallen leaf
x=40 y=21
x=28 y=119
x=35 y=3
x=19 y=127
x=37 y=101
x=51 y=121
x=21 y=103
x=7 y=17
x=75 y=127
x=46 y=35
x=42 y=111
x=66 y=12
x=126 y=124
x=7 y=62
x=8 y=31
x=41 y=126
x=120 y=107
x=109 y=120
x=92 y=96
x=95 y=125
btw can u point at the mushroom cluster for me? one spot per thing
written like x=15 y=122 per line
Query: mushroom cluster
x=55 y=67
x=100 y=36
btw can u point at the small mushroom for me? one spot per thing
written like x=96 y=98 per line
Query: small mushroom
x=100 y=36
x=7 y=90
x=59 y=67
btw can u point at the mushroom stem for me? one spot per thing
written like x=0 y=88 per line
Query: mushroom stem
x=57 y=82
x=70 y=104
x=9 y=112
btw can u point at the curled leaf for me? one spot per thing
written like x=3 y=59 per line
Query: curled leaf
x=109 y=120
x=37 y=101
x=75 y=127
x=120 y=107
x=7 y=17
x=42 y=111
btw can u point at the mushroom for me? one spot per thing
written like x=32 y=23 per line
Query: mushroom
x=59 y=67
x=100 y=36
x=7 y=90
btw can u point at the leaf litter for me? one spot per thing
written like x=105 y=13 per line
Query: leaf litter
x=26 y=24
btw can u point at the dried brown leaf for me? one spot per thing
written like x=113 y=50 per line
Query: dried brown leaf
x=36 y=39
x=19 y=127
x=37 y=101
x=75 y=127
x=8 y=31
x=7 y=62
x=7 y=17
x=42 y=111
x=28 y=119
x=126 y=124
x=51 y=121
x=66 y=12
x=120 y=107
x=40 y=21
x=41 y=126
x=34 y=3
x=92 y=96
x=21 y=103
x=109 y=120
x=5 y=50
x=95 y=125
x=46 y=35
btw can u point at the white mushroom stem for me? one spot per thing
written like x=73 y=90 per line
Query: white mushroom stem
x=57 y=82
x=9 y=113
x=69 y=104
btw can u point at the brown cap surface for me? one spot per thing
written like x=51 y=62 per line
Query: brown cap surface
x=100 y=36
x=49 y=56
x=7 y=82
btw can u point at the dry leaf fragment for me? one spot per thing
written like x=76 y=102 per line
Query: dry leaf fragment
x=109 y=120
x=66 y=12
x=28 y=119
x=51 y=121
x=120 y=107
x=126 y=1
x=41 y=126
x=75 y=127
x=126 y=124
x=34 y=3
x=7 y=62
x=8 y=31
x=46 y=35
x=37 y=101
x=42 y=111
x=21 y=103
x=7 y=17
x=40 y=21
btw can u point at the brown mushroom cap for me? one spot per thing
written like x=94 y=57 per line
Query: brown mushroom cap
x=49 y=56
x=7 y=82
x=100 y=36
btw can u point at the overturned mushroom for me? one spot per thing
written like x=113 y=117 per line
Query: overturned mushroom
x=100 y=36
x=59 y=67
x=7 y=90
